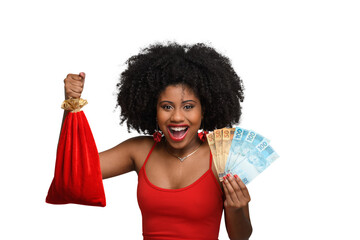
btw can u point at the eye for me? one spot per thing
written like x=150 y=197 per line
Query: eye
x=166 y=107
x=188 y=107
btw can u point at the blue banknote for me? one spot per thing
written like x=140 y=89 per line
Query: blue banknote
x=250 y=154
x=242 y=143
x=255 y=162
x=235 y=148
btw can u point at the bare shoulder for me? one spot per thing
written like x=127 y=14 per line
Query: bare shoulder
x=125 y=157
x=140 y=144
x=138 y=148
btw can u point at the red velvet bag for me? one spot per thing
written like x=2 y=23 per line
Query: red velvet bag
x=77 y=178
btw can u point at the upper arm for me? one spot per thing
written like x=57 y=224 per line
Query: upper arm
x=122 y=158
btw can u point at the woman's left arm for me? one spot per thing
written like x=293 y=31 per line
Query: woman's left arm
x=236 y=208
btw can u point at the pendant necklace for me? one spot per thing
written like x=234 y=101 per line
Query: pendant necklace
x=183 y=158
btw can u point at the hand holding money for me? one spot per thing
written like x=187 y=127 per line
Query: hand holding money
x=240 y=151
x=236 y=193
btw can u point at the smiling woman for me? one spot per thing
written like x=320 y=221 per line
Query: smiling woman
x=179 y=117
x=172 y=91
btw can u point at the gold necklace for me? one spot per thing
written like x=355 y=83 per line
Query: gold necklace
x=183 y=158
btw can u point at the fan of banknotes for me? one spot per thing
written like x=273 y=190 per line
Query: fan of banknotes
x=240 y=151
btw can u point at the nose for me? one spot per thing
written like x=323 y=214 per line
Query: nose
x=177 y=116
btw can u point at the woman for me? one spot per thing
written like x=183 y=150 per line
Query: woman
x=171 y=91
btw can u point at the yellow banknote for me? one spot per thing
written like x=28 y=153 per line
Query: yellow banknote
x=211 y=141
x=219 y=150
x=228 y=134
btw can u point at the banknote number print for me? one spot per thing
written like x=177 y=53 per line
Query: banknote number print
x=250 y=137
x=238 y=133
x=262 y=146
x=245 y=180
x=210 y=137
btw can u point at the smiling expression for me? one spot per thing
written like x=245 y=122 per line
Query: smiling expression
x=179 y=115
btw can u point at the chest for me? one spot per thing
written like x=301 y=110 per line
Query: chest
x=170 y=173
x=174 y=174
x=198 y=200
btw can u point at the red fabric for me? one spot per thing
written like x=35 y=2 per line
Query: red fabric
x=192 y=212
x=202 y=135
x=157 y=136
x=77 y=177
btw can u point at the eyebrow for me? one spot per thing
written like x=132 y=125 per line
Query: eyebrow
x=186 y=101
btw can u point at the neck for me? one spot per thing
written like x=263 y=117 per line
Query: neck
x=181 y=152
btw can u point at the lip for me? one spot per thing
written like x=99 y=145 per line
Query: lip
x=174 y=138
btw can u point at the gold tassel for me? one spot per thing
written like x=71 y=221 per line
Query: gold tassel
x=73 y=104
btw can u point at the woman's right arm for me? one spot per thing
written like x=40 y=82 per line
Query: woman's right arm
x=119 y=159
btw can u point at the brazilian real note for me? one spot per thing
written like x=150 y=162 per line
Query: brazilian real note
x=255 y=161
x=235 y=148
x=243 y=142
x=227 y=136
x=219 y=150
x=211 y=141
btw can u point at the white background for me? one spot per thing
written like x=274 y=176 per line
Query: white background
x=300 y=64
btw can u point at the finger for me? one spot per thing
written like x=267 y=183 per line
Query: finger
x=242 y=187
x=82 y=74
x=227 y=193
x=74 y=80
x=74 y=77
x=76 y=89
x=70 y=93
x=76 y=83
x=235 y=190
x=231 y=191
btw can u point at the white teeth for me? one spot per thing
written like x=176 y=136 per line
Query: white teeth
x=178 y=128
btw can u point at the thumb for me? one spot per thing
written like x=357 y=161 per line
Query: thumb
x=82 y=74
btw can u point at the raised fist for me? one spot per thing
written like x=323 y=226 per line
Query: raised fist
x=74 y=85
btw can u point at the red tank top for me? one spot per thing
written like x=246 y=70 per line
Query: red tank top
x=192 y=212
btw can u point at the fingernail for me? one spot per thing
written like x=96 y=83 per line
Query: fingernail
x=236 y=176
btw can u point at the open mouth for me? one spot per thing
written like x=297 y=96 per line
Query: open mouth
x=177 y=133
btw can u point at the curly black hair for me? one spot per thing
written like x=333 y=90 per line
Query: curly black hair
x=208 y=73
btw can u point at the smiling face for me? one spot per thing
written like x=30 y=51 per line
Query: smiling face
x=179 y=116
